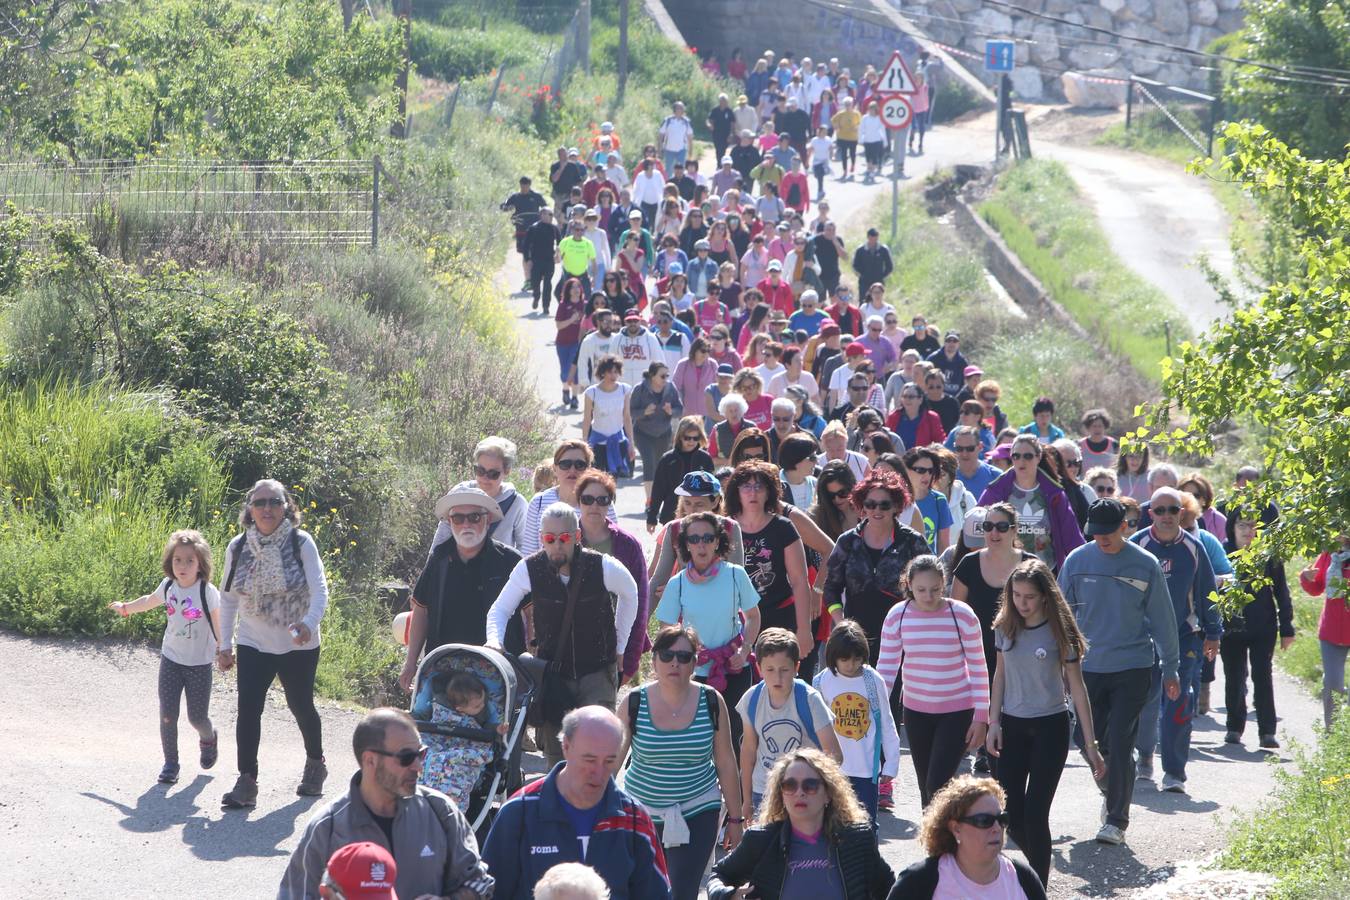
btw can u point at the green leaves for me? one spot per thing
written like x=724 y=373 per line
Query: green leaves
x=1281 y=363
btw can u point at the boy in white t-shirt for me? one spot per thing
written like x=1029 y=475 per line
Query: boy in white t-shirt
x=820 y=150
x=860 y=704
x=775 y=713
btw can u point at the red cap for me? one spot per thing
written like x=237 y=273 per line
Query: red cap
x=364 y=871
x=855 y=348
x=829 y=329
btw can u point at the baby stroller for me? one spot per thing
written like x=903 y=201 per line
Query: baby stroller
x=473 y=763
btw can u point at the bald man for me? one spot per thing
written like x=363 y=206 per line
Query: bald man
x=578 y=814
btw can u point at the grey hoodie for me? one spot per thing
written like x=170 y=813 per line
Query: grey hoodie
x=1123 y=607
x=434 y=847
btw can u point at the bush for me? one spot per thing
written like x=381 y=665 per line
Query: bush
x=451 y=54
x=94 y=481
x=1303 y=836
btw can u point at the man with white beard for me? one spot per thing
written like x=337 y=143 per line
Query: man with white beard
x=462 y=579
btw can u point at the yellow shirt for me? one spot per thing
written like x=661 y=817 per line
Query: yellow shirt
x=576 y=254
x=846 y=123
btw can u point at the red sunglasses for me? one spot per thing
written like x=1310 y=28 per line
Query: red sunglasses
x=564 y=538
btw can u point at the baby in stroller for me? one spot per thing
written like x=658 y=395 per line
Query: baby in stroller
x=454 y=763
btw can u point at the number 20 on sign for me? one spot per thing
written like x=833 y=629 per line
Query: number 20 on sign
x=896 y=112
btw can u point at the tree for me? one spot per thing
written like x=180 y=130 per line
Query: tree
x=1309 y=110
x=1283 y=362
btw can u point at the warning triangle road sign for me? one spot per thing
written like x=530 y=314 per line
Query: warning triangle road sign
x=896 y=77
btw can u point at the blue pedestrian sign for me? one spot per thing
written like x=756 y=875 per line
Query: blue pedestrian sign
x=998 y=56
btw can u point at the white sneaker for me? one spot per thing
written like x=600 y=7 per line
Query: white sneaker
x=1172 y=784
x=1144 y=768
x=1110 y=834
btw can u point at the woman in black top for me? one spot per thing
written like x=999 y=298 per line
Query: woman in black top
x=693 y=231
x=979 y=577
x=863 y=580
x=690 y=454
x=775 y=558
x=619 y=299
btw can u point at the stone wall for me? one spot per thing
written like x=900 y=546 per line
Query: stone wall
x=1044 y=49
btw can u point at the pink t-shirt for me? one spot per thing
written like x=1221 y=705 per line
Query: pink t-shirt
x=954 y=885
x=760 y=412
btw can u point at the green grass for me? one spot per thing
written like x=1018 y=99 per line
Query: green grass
x=938 y=275
x=1302 y=836
x=1040 y=214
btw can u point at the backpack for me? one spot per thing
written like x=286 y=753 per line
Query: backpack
x=799 y=698
x=237 y=547
x=201 y=598
x=870 y=678
x=505 y=508
x=635 y=702
x=794 y=195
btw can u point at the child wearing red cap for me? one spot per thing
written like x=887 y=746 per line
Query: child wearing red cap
x=363 y=871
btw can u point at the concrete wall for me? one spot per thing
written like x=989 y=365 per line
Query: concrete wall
x=1044 y=49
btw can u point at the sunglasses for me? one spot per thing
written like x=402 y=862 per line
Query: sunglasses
x=472 y=518
x=1104 y=489
x=564 y=538
x=685 y=657
x=964 y=448
x=1166 y=510
x=986 y=820
x=489 y=474
x=577 y=464
x=857 y=387
x=1133 y=523
x=695 y=539
x=688 y=437
x=835 y=495
x=264 y=502
x=883 y=505
x=407 y=756
x=596 y=499
x=987 y=399
x=1022 y=455
x=921 y=470
x=1001 y=527
x=808 y=786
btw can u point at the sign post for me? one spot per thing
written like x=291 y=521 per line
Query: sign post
x=896 y=114
x=894 y=86
x=999 y=59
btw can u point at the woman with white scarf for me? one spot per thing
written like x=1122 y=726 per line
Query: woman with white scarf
x=273 y=582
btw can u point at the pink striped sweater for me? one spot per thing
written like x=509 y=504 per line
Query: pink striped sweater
x=944 y=668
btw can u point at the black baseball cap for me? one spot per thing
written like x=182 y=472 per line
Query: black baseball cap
x=1104 y=517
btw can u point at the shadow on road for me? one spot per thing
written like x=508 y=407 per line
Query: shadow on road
x=1105 y=870
x=237 y=834
x=157 y=809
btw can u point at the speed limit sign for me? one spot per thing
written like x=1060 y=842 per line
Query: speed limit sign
x=896 y=113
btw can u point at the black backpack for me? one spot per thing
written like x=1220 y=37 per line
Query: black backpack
x=794 y=195
x=237 y=546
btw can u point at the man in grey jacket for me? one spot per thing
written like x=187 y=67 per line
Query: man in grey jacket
x=1119 y=595
x=428 y=836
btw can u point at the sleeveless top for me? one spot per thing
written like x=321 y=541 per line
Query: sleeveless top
x=670 y=768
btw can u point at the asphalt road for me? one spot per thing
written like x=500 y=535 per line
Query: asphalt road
x=81 y=814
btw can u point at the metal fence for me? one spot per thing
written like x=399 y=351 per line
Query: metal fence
x=147 y=204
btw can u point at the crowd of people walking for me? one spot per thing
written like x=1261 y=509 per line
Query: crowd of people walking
x=856 y=558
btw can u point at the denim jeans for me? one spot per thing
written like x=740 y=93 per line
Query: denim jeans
x=866 y=791
x=673 y=158
x=1178 y=716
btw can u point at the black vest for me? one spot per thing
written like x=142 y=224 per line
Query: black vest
x=591 y=648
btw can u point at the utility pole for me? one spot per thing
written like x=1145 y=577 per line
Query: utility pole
x=400 y=127
x=623 y=46
x=584 y=36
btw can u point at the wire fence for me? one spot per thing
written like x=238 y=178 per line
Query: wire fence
x=147 y=204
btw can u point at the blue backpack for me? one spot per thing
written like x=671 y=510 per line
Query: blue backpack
x=799 y=698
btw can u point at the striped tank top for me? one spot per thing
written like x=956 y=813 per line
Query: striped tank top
x=670 y=768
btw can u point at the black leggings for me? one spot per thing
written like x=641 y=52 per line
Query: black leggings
x=848 y=154
x=687 y=862
x=174 y=681
x=937 y=742
x=1236 y=649
x=1034 y=751
x=257 y=670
